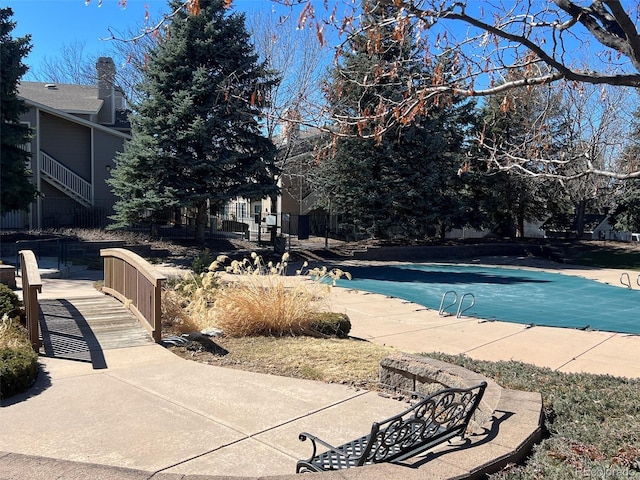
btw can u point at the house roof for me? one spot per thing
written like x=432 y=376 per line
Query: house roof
x=79 y=120
x=76 y=99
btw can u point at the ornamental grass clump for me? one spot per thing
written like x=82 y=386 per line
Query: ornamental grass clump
x=187 y=303
x=12 y=334
x=254 y=298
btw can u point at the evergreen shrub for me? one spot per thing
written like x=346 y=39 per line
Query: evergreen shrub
x=332 y=324
x=9 y=301
x=18 y=361
x=201 y=262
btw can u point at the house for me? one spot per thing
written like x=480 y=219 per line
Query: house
x=298 y=152
x=596 y=226
x=294 y=212
x=77 y=132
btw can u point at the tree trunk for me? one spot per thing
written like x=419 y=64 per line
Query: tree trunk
x=273 y=231
x=520 y=226
x=579 y=220
x=201 y=221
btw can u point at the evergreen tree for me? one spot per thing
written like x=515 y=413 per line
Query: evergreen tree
x=627 y=212
x=197 y=140
x=509 y=198
x=396 y=183
x=16 y=190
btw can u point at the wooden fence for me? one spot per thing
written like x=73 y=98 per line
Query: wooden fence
x=132 y=280
x=31 y=286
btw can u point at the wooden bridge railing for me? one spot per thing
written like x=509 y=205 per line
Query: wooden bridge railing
x=132 y=280
x=31 y=286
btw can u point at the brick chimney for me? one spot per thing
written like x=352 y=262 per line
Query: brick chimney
x=106 y=70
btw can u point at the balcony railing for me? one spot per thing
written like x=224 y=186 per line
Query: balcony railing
x=67 y=180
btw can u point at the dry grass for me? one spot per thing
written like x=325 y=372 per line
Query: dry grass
x=176 y=317
x=261 y=300
x=249 y=298
x=12 y=334
x=345 y=361
x=267 y=306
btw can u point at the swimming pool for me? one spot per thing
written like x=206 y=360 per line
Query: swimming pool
x=507 y=294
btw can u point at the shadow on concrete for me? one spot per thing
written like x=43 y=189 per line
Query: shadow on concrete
x=66 y=334
x=470 y=441
x=43 y=381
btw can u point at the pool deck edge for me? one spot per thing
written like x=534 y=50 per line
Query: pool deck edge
x=415 y=329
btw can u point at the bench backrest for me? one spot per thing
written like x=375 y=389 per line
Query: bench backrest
x=432 y=420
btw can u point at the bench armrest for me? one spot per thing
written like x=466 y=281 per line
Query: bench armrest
x=315 y=440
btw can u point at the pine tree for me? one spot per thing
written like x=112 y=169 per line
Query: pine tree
x=16 y=190
x=509 y=198
x=396 y=183
x=197 y=140
x=627 y=212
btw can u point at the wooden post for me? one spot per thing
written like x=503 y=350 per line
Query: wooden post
x=31 y=286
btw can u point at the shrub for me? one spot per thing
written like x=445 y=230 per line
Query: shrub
x=18 y=370
x=18 y=361
x=201 y=262
x=250 y=297
x=332 y=324
x=9 y=301
x=262 y=300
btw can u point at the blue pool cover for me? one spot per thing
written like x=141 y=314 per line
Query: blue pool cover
x=507 y=294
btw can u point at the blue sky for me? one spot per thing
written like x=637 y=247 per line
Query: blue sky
x=55 y=23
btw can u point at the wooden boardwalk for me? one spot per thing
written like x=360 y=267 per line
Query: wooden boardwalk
x=82 y=328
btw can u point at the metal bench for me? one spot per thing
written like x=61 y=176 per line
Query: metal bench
x=433 y=420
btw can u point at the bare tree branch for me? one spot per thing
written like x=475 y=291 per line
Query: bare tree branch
x=570 y=43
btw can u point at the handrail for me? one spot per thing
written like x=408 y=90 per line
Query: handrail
x=460 y=309
x=61 y=249
x=625 y=275
x=31 y=286
x=66 y=177
x=132 y=280
x=441 y=310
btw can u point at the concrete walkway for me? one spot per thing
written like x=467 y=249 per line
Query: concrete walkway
x=153 y=411
x=160 y=416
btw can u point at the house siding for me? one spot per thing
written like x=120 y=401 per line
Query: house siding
x=64 y=121
x=31 y=117
x=289 y=204
x=67 y=142
x=106 y=147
